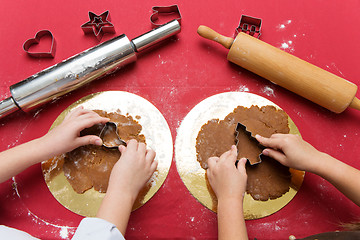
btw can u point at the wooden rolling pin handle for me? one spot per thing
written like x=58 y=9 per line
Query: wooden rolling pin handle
x=355 y=103
x=210 y=34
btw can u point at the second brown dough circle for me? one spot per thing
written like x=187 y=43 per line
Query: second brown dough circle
x=267 y=180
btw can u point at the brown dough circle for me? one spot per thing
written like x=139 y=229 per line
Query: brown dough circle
x=267 y=180
x=90 y=166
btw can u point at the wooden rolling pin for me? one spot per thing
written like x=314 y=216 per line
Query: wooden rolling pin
x=288 y=71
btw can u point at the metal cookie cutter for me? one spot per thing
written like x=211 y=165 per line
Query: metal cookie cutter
x=30 y=42
x=249 y=25
x=110 y=137
x=242 y=128
x=164 y=10
x=98 y=24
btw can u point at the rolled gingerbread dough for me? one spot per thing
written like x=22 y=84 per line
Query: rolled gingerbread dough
x=267 y=180
x=90 y=166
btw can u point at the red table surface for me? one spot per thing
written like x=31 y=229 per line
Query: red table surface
x=175 y=77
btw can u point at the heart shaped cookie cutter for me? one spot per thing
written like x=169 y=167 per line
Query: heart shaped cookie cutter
x=30 y=42
x=110 y=137
x=164 y=10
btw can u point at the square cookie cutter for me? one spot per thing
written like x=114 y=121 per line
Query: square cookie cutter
x=249 y=25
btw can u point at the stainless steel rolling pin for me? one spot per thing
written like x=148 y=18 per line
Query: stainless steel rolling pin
x=288 y=71
x=80 y=69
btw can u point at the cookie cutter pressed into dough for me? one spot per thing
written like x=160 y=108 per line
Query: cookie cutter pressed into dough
x=111 y=126
x=242 y=127
x=32 y=41
x=164 y=10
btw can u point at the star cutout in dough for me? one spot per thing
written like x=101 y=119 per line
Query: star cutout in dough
x=98 y=25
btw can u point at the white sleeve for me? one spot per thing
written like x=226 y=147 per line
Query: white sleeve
x=14 y=234
x=97 y=228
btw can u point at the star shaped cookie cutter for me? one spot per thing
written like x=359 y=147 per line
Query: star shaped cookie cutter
x=108 y=130
x=163 y=10
x=98 y=24
x=242 y=128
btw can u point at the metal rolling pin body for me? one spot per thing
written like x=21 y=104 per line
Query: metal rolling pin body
x=81 y=69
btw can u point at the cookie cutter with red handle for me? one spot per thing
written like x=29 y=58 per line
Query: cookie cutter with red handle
x=249 y=25
x=98 y=24
x=164 y=10
x=30 y=42
x=242 y=128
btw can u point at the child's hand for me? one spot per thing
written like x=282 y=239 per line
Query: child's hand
x=290 y=150
x=127 y=178
x=226 y=180
x=133 y=170
x=66 y=136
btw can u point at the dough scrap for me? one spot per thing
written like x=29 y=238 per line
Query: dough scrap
x=267 y=180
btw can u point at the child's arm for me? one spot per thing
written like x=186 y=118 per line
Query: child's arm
x=63 y=138
x=129 y=175
x=290 y=150
x=229 y=185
